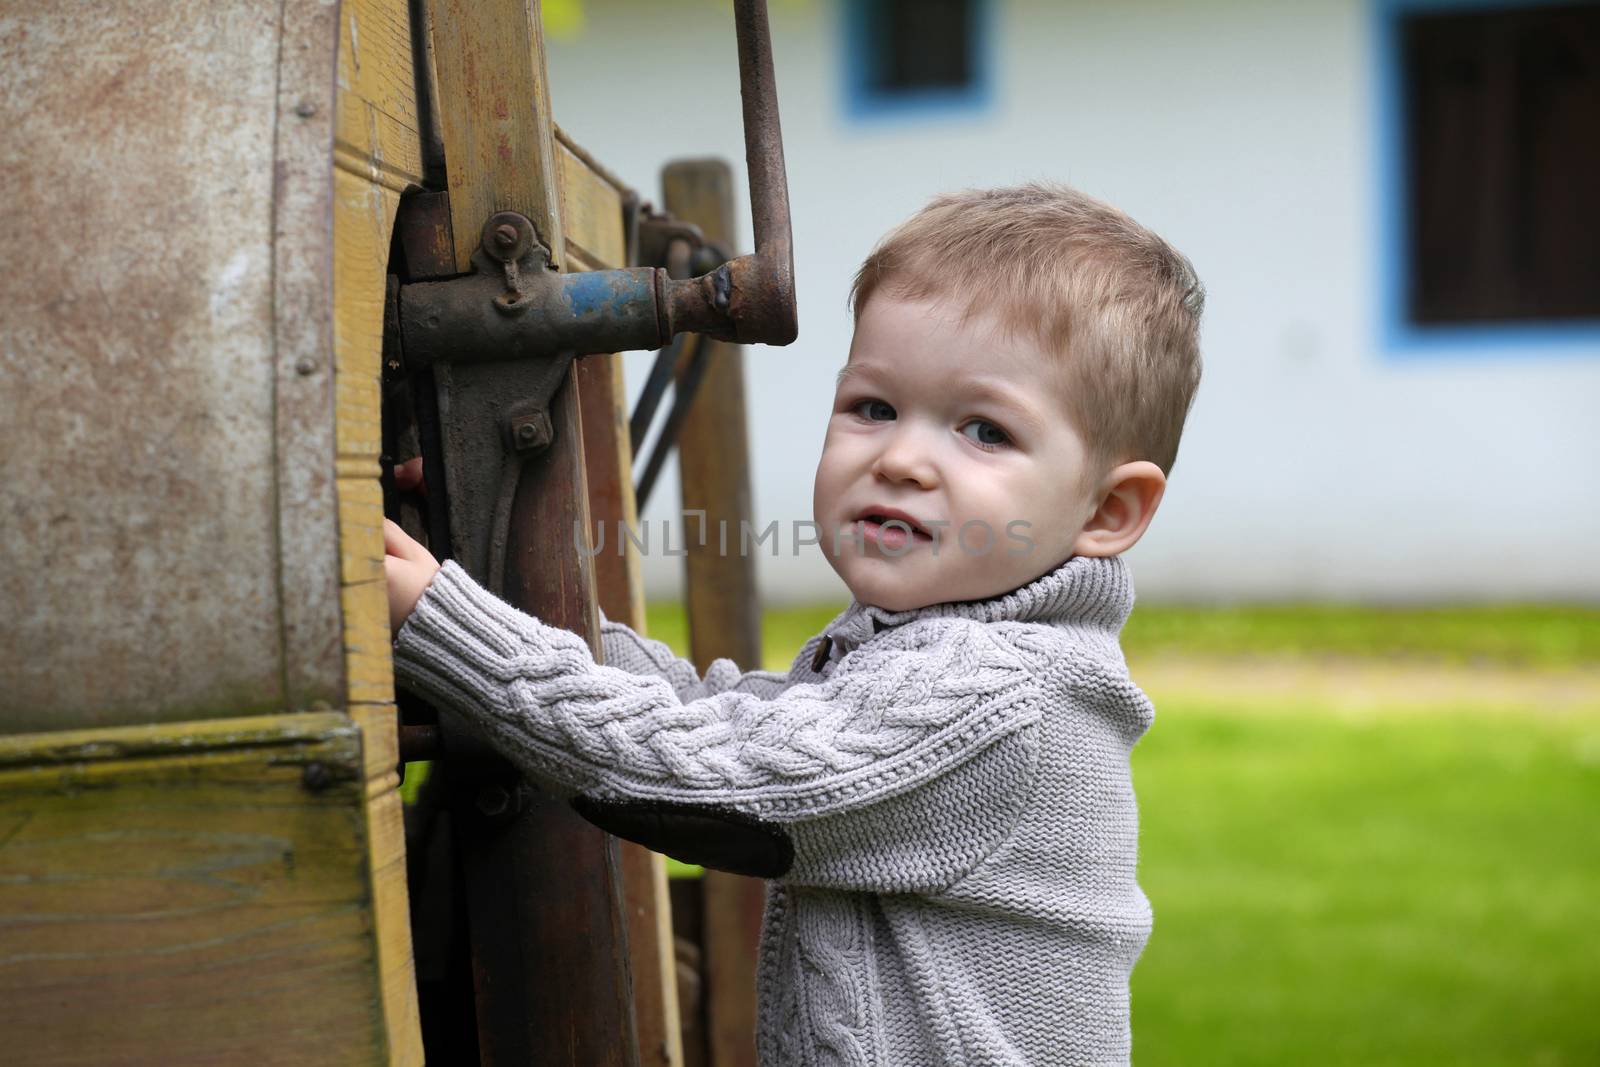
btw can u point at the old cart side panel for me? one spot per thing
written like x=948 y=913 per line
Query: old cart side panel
x=187 y=896
x=140 y=368
x=191 y=499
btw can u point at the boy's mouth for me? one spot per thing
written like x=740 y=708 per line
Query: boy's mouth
x=874 y=529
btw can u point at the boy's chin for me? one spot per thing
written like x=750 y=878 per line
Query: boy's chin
x=886 y=591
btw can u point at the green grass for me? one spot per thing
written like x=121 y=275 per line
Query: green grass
x=1539 y=636
x=1404 y=889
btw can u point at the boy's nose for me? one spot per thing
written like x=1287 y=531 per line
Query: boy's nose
x=905 y=458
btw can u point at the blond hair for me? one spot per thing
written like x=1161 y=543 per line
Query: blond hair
x=1078 y=277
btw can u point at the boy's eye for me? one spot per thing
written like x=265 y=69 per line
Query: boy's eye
x=875 y=410
x=985 y=433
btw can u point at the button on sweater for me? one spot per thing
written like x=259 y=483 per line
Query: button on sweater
x=954 y=781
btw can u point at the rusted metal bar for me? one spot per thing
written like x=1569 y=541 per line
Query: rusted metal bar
x=691 y=368
x=655 y=387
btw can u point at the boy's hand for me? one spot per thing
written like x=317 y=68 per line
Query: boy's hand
x=409 y=568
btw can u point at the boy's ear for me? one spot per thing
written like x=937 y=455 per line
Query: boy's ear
x=1127 y=500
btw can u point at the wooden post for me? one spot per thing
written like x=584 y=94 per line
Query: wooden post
x=587 y=196
x=543 y=887
x=724 y=611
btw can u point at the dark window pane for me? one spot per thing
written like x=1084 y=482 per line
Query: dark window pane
x=1502 y=110
x=920 y=44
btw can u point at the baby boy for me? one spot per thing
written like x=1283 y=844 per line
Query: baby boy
x=942 y=776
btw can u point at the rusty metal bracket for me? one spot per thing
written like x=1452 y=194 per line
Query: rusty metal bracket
x=480 y=418
x=513 y=305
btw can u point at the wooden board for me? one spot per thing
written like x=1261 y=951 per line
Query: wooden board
x=550 y=941
x=723 y=607
x=592 y=206
x=377 y=156
x=176 y=894
x=156 y=128
x=495 y=118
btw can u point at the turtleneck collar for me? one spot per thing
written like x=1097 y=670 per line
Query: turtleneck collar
x=1087 y=591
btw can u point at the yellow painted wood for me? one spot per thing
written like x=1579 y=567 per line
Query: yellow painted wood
x=490 y=61
x=591 y=211
x=376 y=134
x=175 y=894
x=377 y=155
x=591 y=214
x=630 y=506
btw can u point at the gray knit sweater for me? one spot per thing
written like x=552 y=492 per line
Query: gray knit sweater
x=954 y=780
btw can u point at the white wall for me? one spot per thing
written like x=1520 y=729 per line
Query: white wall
x=1316 y=464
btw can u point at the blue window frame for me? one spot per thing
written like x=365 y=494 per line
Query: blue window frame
x=916 y=58
x=1415 y=318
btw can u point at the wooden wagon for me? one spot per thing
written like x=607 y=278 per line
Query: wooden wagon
x=217 y=215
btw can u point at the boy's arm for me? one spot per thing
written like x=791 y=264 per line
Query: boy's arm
x=899 y=771
x=631 y=651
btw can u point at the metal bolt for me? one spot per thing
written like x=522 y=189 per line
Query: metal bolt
x=305 y=366
x=494 y=800
x=506 y=236
x=529 y=433
x=316 y=777
x=305 y=109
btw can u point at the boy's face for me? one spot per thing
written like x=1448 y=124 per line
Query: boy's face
x=951 y=425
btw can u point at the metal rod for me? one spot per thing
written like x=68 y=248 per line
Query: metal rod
x=682 y=398
x=763 y=142
x=750 y=299
x=655 y=387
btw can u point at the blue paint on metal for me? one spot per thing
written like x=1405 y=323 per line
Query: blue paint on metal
x=1398 y=336
x=596 y=293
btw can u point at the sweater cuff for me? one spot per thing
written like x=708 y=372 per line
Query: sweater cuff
x=462 y=645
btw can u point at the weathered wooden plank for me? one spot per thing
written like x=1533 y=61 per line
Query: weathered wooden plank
x=363 y=214
x=376 y=65
x=621 y=593
x=548 y=939
x=376 y=136
x=655 y=982
x=723 y=604
x=611 y=501
x=591 y=208
x=494 y=111
x=188 y=893
x=153 y=128
x=378 y=154
x=591 y=214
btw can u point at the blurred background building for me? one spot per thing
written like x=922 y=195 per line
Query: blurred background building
x=1392 y=204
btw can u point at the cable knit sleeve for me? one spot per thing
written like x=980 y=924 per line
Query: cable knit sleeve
x=626 y=648
x=899 y=770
